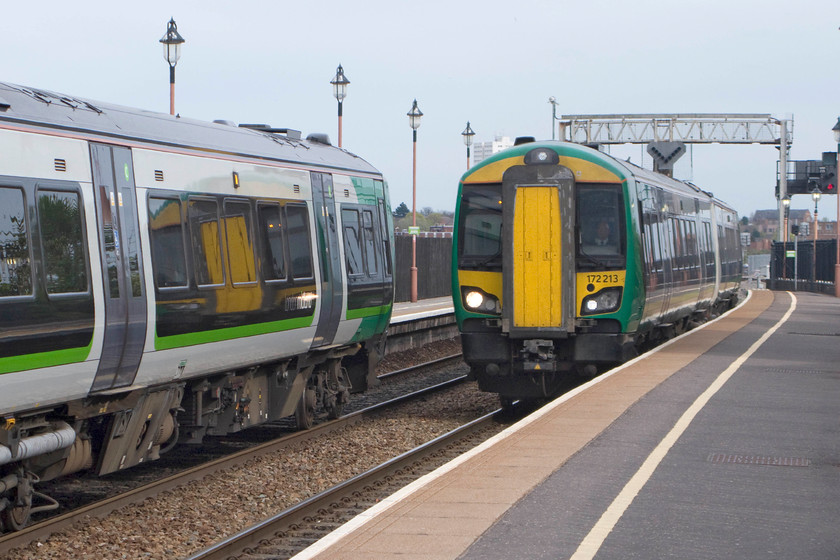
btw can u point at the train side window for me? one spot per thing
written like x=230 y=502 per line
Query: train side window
x=352 y=242
x=166 y=234
x=369 y=237
x=271 y=235
x=300 y=250
x=15 y=262
x=206 y=241
x=240 y=242
x=60 y=220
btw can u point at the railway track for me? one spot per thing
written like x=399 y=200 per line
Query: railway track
x=292 y=530
x=41 y=531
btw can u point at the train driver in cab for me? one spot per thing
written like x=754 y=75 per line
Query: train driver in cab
x=601 y=241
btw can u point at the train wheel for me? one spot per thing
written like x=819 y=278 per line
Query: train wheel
x=305 y=411
x=337 y=391
x=16 y=515
x=506 y=403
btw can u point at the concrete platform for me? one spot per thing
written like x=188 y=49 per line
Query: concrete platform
x=723 y=443
x=416 y=324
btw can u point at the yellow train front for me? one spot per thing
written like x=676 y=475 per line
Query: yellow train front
x=566 y=260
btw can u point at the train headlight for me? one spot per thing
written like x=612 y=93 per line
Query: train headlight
x=479 y=301
x=608 y=299
x=474 y=299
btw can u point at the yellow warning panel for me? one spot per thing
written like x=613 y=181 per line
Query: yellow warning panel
x=537 y=282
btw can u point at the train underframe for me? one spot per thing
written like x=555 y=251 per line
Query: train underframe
x=115 y=430
x=536 y=368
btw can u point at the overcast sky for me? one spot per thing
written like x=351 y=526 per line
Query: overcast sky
x=494 y=63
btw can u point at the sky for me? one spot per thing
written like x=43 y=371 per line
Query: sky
x=493 y=63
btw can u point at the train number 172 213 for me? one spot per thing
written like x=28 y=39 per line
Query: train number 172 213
x=602 y=278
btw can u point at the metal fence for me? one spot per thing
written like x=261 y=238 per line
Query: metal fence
x=434 y=259
x=799 y=271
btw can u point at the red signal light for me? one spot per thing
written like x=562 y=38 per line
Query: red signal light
x=829 y=188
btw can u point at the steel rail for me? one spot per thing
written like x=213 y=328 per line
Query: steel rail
x=424 y=365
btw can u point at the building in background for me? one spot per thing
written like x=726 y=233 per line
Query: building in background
x=483 y=150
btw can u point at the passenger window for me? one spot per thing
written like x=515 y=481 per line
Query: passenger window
x=297 y=219
x=206 y=241
x=271 y=234
x=166 y=233
x=15 y=267
x=60 y=222
x=240 y=244
x=352 y=242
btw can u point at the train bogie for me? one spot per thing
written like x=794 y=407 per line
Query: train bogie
x=567 y=260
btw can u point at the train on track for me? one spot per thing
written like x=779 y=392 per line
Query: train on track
x=567 y=260
x=163 y=279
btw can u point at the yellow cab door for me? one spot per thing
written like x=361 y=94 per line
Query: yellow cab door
x=538 y=251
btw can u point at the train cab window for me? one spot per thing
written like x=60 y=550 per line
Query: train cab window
x=169 y=262
x=352 y=242
x=480 y=228
x=60 y=219
x=15 y=267
x=271 y=235
x=203 y=214
x=297 y=219
x=240 y=242
x=600 y=226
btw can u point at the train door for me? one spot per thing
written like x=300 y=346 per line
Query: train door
x=538 y=265
x=122 y=267
x=332 y=285
x=385 y=233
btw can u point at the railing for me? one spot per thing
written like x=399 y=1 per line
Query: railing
x=801 y=272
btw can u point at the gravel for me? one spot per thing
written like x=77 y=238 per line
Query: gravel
x=183 y=521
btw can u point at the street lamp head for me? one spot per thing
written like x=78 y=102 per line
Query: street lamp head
x=786 y=201
x=836 y=131
x=815 y=194
x=339 y=84
x=468 y=135
x=414 y=116
x=172 y=42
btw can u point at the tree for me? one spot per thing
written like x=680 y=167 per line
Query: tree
x=401 y=210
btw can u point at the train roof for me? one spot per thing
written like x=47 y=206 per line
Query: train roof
x=604 y=159
x=83 y=117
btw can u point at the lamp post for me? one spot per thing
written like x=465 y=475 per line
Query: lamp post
x=553 y=102
x=172 y=42
x=836 y=131
x=468 y=140
x=815 y=194
x=339 y=84
x=414 y=116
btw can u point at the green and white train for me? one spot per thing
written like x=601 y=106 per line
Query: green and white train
x=567 y=260
x=163 y=279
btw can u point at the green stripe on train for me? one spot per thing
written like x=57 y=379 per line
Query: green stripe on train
x=368 y=311
x=44 y=359
x=229 y=333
